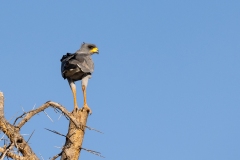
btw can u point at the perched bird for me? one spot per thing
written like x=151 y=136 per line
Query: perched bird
x=79 y=66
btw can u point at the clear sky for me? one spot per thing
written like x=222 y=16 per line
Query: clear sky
x=165 y=85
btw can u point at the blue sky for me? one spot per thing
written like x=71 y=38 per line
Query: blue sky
x=165 y=85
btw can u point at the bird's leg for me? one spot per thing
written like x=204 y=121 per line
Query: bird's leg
x=85 y=106
x=73 y=88
x=84 y=88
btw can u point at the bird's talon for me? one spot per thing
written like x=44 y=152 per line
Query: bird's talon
x=76 y=108
x=88 y=109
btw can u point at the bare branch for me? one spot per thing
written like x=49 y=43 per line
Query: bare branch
x=74 y=137
x=55 y=105
x=48 y=104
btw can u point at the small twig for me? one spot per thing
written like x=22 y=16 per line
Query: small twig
x=93 y=129
x=48 y=116
x=55 y=132
x=93 y=152
x=30 y=136
x=19 y=117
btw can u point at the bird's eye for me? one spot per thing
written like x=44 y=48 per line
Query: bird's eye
x=90 y=47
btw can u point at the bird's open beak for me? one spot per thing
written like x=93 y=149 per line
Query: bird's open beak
x=95 y=50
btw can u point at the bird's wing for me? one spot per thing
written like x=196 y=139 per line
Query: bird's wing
x=72 y=61
x=67 y=57
x=65 y=61
x=84 y=62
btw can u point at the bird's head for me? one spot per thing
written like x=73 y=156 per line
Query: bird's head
x=89 y=48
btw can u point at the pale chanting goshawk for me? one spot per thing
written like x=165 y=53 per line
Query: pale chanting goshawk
x=79 y=66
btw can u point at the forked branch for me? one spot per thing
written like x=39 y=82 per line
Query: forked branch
x=74 y=138
x=28 y=115
x=11 y=155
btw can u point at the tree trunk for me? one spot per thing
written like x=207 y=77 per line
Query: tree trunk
x=74 y=140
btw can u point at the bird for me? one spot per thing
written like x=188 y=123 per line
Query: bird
x=79 y=66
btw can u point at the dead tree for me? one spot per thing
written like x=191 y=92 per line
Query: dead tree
x=74 y=138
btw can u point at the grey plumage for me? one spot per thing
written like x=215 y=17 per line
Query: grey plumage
x=80 y=64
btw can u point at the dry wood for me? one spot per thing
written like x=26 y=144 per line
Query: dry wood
x=71 y=151
x=74 y=138
x=12 y=132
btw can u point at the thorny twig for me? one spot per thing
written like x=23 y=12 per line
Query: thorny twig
x=93 y=152
x=30 y=136
x=59 y=134
x=48 y=116
x=26 y=116
x=93 y=129
x=19 y=117
x=56 y=107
